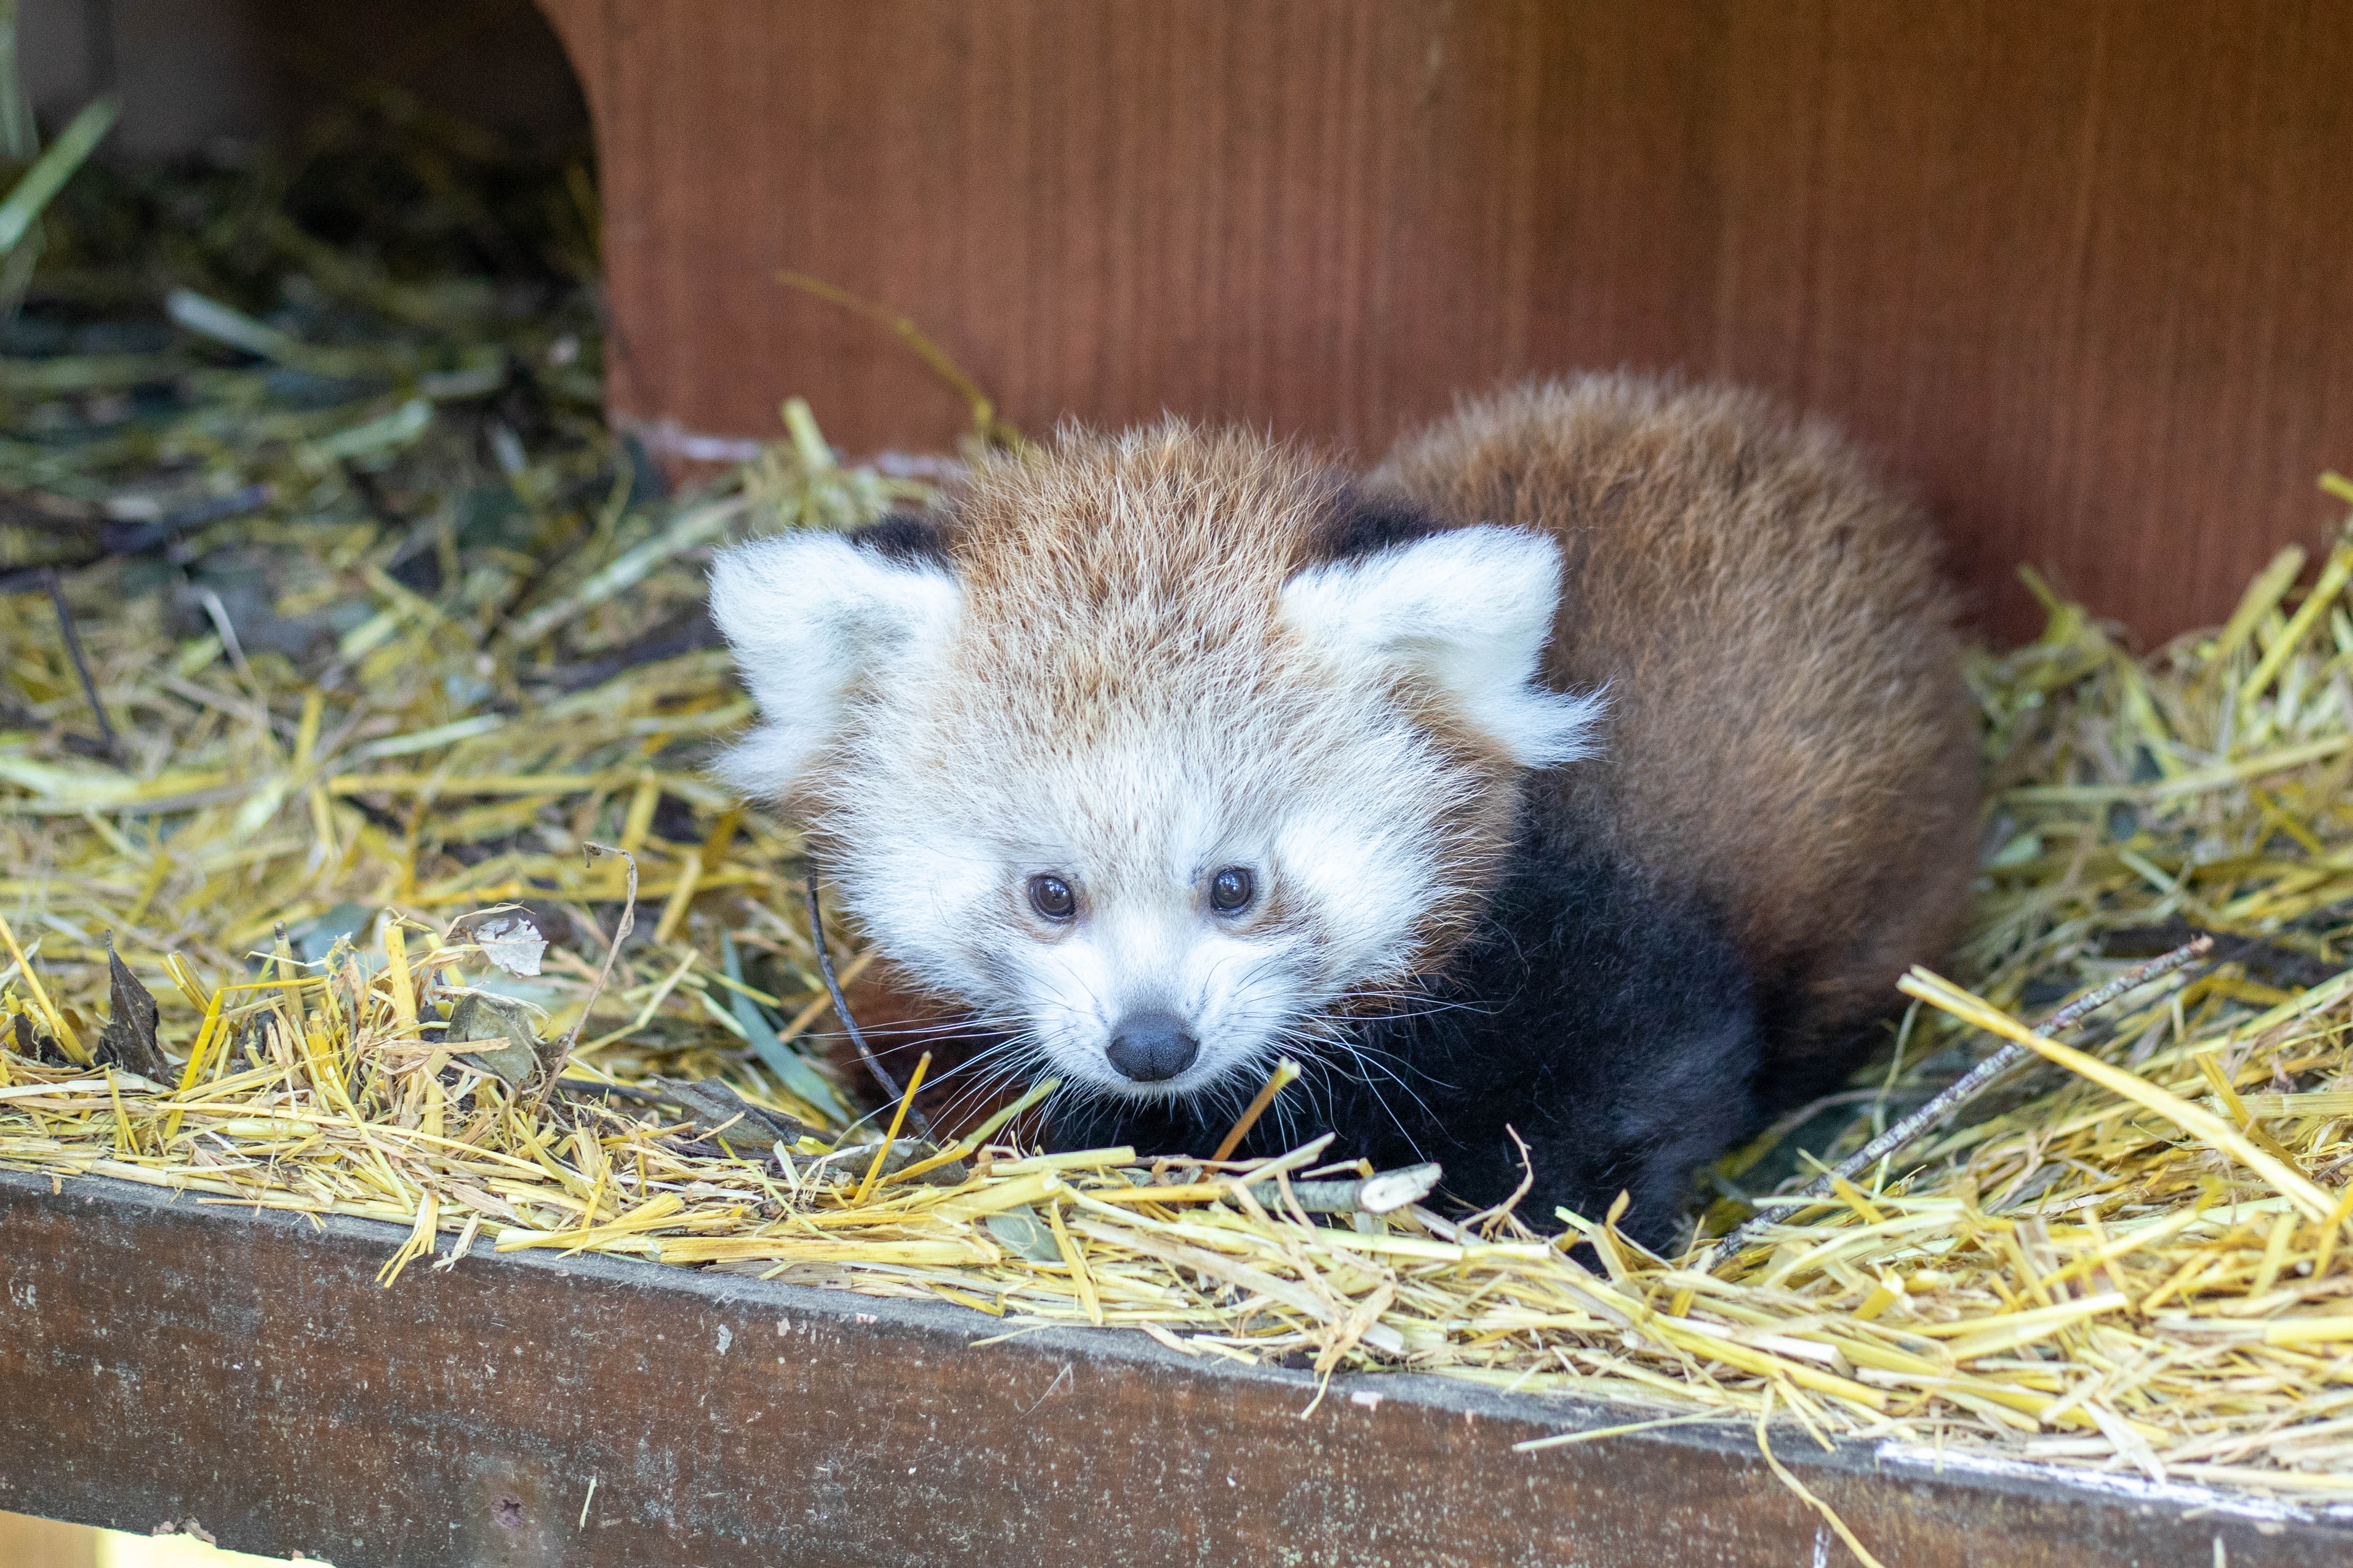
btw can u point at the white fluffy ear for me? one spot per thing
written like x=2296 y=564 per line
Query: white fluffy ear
x=1468 y=610
x=811 y=617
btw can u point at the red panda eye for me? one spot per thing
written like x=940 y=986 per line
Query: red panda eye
x=1051 y=896
x=1230 y=890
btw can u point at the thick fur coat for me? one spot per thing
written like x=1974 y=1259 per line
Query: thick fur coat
x=1582 y=777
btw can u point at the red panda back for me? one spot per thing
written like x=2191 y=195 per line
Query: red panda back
x=1788 y=733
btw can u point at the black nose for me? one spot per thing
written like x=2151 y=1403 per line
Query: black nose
x=1149 y=1046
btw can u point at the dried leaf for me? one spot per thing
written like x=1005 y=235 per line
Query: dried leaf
x=510 y=941
x=713 y=1104
x=479 y=1015
x=1025 y=1234
x=129 y=1039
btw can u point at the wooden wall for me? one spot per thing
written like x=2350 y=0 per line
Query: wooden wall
x=2083 y=271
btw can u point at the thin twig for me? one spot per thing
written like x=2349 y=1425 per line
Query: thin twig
x=552 y=1071
x=995 y=431
x=1968 y=1087
x=841 y=1010
x=81 y=666
x=1486 y=1216
x=1384 y=1191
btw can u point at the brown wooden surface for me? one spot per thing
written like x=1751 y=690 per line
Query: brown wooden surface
x=2081 y=270
x=174 y=1359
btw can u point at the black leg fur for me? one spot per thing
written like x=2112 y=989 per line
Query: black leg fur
x=1610 y=1025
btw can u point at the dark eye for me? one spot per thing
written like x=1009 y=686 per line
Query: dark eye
x=1231 y=888
x=1050 y=897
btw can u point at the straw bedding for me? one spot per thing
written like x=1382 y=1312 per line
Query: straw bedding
x=438 y=634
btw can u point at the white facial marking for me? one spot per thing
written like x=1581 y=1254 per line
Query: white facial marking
x=1330 y=813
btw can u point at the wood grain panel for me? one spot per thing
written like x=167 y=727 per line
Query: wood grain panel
x=172 y=1359
x=2079 y=271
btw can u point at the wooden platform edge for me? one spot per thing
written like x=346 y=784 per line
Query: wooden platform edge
x=166 y=1359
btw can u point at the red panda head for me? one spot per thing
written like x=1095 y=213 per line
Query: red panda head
x=1161 y=750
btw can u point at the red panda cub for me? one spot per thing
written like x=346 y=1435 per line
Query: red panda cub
x=1587 y=772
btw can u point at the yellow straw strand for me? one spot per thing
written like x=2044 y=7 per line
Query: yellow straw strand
x=898 y=1119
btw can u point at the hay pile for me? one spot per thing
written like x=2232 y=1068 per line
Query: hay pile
x=2153 y=1278
x=385 y=629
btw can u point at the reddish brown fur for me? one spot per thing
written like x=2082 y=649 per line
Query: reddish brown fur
x=1787 y=728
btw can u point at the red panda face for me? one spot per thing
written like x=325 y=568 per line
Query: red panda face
x=1127 y=768
x=1160 y=911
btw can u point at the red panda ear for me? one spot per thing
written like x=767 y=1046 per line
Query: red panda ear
x=813 y=619
x=1468 y=610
